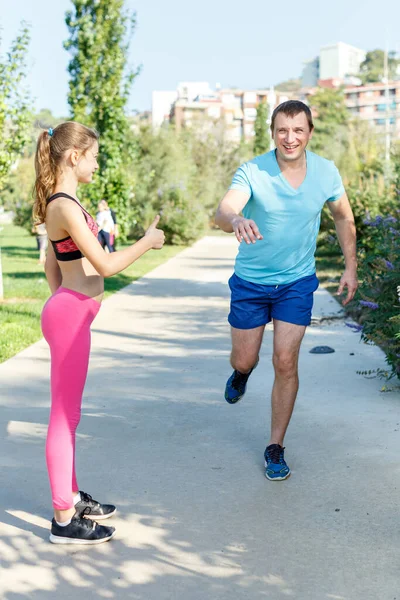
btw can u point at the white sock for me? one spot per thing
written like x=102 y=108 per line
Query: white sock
x=77 y=498
x=64 y=524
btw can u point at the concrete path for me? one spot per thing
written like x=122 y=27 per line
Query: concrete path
x=197 y=519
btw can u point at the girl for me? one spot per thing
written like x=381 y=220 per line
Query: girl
x=75 y=269
x=105 y=224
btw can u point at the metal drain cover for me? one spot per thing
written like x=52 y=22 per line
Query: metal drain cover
x=322 y=350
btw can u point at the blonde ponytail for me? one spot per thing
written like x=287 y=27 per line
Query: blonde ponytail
x=45 y=176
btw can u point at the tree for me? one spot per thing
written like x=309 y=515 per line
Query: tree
x=15 y=115
x=261 y=139
x=100 y=33
x=16 y=194
x=182 y=176
x=372 y=69
x=331 y=119
x=45 y=118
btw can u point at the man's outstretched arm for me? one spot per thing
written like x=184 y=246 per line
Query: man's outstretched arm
x=228 y=217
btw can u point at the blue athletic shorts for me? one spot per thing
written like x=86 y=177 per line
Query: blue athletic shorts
x=255 y=304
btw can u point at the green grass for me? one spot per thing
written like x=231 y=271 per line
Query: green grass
x=26 y=289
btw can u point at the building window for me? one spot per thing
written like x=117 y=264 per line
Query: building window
x=353 y=97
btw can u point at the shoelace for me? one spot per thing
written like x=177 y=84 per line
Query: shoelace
x=87 y=498
x=275 y=454
x=83 y=522
x=239 y=379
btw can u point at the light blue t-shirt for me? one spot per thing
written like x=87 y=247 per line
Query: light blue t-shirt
x=288 y=218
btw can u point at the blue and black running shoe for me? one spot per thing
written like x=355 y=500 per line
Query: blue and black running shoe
x=236 y=385
x=276 y=468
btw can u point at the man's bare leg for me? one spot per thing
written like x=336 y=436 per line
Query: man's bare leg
x=246 y=345
x=287 y=341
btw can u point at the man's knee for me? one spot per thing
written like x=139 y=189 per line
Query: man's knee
x=285 y=364
x=243 y=364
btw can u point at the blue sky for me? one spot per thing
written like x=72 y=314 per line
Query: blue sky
x=253 y=44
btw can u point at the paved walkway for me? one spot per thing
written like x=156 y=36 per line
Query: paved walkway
x=197 y=519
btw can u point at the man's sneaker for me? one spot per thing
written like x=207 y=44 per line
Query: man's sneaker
x=236 y=385
x=276 y=468
x=98 y=511
x=81 y=531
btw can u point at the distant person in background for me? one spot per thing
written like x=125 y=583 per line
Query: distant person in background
x=113 y=236
x=41 y=240
x=105 y=224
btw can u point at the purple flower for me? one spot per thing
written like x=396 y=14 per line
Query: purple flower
x=394 y=231
x=377 y=221
x=354 y=326
x=390 y=219
x=372 y=305
x=389 y=264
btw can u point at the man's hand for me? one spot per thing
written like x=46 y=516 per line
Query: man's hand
x=246 y=230
x=349 y=280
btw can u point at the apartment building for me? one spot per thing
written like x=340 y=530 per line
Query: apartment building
x=340 y=60
x=163 y=101
x=335 y=61
x=373 y=103
x=376 y=104
x=236 y=107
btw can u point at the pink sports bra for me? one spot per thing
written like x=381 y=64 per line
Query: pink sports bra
x=66 y=249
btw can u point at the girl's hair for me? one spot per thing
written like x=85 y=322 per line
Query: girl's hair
x=50 y=150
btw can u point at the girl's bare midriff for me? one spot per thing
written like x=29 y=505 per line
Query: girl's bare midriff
x=80 y=276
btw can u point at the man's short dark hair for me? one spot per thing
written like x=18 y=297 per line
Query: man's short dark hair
x=291 y=108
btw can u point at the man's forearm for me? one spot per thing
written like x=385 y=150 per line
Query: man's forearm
x=346 y=233
x=224 y=219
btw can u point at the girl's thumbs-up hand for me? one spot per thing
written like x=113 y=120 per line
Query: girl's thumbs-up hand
x=156 y=236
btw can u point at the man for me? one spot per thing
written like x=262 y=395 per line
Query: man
x=281 y=194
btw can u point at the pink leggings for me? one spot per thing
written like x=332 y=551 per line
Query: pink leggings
x=66 y=320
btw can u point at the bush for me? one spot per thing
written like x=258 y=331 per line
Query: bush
x=181 y=221
x=368 y=198
x=378 y=306
x=23 y=217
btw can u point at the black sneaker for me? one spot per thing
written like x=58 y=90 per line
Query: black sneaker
x=236 y=385
x=98 y=511
x=80 y=531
